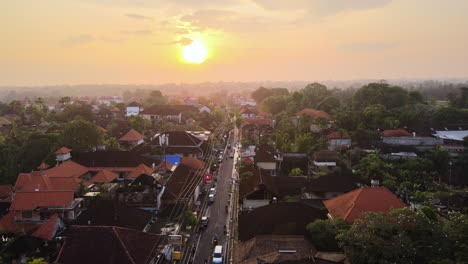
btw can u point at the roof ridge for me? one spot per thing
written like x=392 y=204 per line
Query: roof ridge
x=354 y=202
x=122 y=244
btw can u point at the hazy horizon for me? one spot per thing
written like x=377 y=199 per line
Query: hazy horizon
x=64 y=42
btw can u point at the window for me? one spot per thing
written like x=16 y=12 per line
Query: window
x=26 y=214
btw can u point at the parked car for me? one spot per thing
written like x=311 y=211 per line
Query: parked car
x=204 y=222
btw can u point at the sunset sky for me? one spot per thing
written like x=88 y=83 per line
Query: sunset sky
x=47 y=42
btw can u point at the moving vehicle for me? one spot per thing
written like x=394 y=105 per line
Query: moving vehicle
x=204 y=222
x=213 y=191
x=211 y=198
x=218 y=254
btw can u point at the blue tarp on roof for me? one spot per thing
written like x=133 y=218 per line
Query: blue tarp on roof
x=173 y=159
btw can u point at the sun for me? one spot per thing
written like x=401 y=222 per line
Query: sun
x=196 y=52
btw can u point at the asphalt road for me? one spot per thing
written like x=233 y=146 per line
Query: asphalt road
x=216 y=212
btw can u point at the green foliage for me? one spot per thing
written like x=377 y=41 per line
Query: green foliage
x=402 y=236
x=37 y=261
x=322 y=233
x=273 y=104
x=77 y=112
x=262 y=93
x=286 y=198
x=371 y=168
x=329 y=104
x=457 y=233
x=246 y=175
x=303 y=143
x=380 y=93
x=139 y=123
x=429 y=212
x=189 y=218
x=82 y=135
x=313 y=94
x=155 y=97
x=296 y=172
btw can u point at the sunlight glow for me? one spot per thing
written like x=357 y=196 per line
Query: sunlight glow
x=195 y=52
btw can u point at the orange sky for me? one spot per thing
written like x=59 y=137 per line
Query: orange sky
x=50 y=42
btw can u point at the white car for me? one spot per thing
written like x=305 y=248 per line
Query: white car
x=211 y=198
x=218 y=254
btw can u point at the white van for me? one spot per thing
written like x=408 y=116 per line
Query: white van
x=218 y=254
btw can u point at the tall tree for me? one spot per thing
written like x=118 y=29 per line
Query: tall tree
x=81 y=135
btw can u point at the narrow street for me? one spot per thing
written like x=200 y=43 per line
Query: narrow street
x=218 y=216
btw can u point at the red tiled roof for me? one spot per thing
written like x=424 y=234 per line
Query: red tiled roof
x=103 y=176
x=115 y=109
x=314 y=114
x=5 y=191
x=28 y=182
x=395 y=133
x=256 y=121
x=63 y=150
x=7 y=223
x=264 y=114
x=132 y=135
x=247 y=160
x=67 y=169
x=139 y=170
x=33 y=200
x=48 y=229
x=165 y=165
x=336 y=135
x=193 y=162
x=350 y=206
x=43 y=166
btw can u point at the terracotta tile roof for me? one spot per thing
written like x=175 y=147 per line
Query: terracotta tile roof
x=48 y=229
x=107 y=245
x=314 y=114
x=165 y=165
x=132 y=135
x=28 y=182
x=33 y=200
x=64 y=184
x=264 y=114
x=336 y=135
x=5 y=191
x=193 y=162
x=103 y=176
x=8 y=223
x=43 y=166
x=183 y=178
x=139 y=170
x=63 y=150
x=325 y=156
x=134 y=104
x=395 y=133
x=350 y=206
x=247 y=161
x=67 y=169
x=115 y=109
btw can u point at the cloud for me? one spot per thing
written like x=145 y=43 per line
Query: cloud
x=112 y=40
x=228 y=21
x=140 y=32
x=183 y=41
x=361 y=47
x=322 y=7
x=139 y=17
x=75 y=41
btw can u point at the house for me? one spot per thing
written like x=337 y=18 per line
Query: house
x=281 y=218
x=132 y=138
x=44 y=230
x=5 y=124
x=40 y=206
x=257 y=128
x=183 y=185
x=264 y=115
x=350 y=206
x=133 y=109
x=266 y=158
x=167 y=112
x=114 y=213
x=400 y=137
x=248 y=113
x=337 y=140
x=180 y=142
x=239 y=100
x=257 y=190
x=191 y=101
x=63 y=154
x=314 y=115
x=107 y=100
x=108 y=245
x=275 y=249
x=194 y=163
x=452 y=140
x=329 y=186
x=204 y=108
x=324 y=158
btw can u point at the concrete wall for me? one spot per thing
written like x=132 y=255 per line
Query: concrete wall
x=267 y=165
